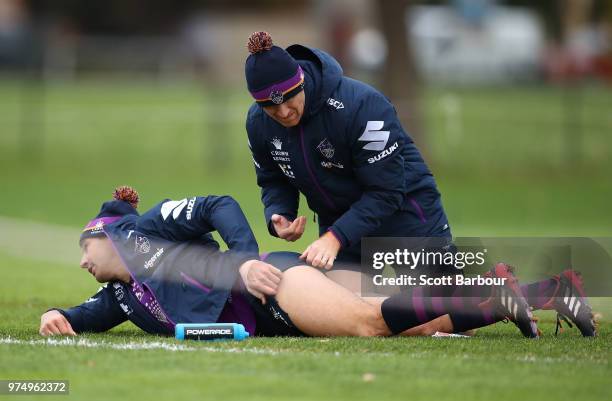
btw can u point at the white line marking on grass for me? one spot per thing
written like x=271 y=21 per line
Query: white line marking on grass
x=166 y=346
x=132 y=345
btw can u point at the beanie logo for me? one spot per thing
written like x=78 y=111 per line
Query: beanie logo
x=276 y=97
x=97 y=228
x=280 y=91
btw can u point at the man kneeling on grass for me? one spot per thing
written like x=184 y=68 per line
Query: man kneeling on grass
x=164 y=267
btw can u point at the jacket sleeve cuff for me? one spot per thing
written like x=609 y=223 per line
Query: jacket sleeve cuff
x=245 y=257
x=271 y=229
x=339 y=236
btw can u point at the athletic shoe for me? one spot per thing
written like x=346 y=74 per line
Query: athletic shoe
x=509 y=302
x=570 y=301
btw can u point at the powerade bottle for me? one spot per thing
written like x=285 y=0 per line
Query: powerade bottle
x=210 y=331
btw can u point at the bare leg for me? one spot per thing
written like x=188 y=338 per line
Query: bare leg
x=320 y=307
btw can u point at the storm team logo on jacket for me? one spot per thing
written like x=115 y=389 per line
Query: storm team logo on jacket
x=326 y=148
x=142 y=245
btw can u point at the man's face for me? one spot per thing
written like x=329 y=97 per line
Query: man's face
x=101 y=260
x=289 y=113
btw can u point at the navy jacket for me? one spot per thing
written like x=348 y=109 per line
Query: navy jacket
x=170 y=251
x=350 y=157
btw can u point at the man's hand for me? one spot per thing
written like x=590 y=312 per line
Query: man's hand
x=54 y=323
x=288 y=230
x=260 y=278
x=322 y=252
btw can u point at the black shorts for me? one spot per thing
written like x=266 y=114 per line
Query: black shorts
x=271 y=319
x=286 y=260
x=282 y=260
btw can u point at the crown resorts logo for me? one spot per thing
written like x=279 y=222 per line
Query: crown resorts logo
x=278 y=144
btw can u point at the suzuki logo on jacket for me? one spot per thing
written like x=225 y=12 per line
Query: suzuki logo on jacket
x=377 y=139
x=176 y=207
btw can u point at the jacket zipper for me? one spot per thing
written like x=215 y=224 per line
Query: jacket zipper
x=328 y=200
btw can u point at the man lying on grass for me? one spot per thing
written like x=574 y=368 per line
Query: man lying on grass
x=164 y=267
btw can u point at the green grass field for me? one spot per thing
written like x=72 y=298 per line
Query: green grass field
x=505 y=167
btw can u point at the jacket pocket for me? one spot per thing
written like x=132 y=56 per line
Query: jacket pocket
x=192 y=281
